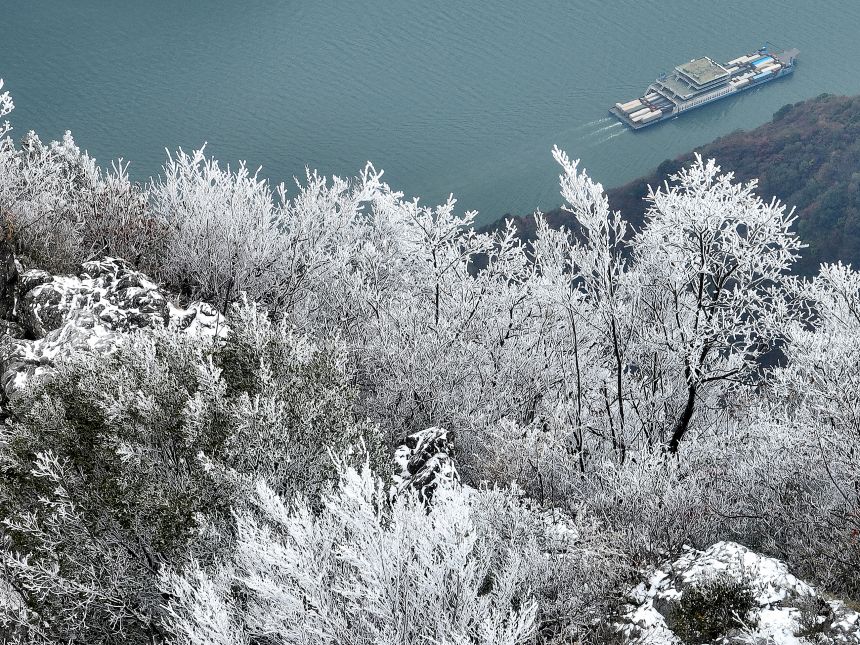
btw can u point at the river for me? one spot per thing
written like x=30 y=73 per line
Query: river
x=447 y=96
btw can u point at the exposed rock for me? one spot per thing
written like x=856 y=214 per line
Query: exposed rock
x=424 y=461
x=63 y=314
x=29 y=280
x=118 y=295
x=198 y=318
x=785 y=610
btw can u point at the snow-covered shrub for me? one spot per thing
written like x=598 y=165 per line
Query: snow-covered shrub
x=574 y=565
x=222 y=230
x=289 y=403
x=815 y=618
x=118 y=464
x=542 y=459
x=358 y=572
x=62 y=209
x=657 y=505
x=800 y=494
x=102 y=484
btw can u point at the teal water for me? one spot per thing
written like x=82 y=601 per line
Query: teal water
x=446 y=96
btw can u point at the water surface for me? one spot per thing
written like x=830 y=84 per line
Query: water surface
x=446 y=96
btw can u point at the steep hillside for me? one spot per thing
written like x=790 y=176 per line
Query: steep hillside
x=808 y=156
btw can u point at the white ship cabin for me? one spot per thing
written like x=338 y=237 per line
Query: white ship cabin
x=693 y=78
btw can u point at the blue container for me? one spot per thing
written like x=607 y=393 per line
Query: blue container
x=763 y=59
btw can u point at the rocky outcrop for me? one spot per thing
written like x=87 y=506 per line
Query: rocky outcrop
x=112 y=291
x=740 y=595
x=425 y=461
x=57 y=315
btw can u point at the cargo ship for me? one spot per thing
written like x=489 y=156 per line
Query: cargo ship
x=702 y=81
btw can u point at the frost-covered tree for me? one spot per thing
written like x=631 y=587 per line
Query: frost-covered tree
x=222 y=230
x=810 y=507
x=630 y=333
x=60 y=208
x=597 y=372
x=710 y=261
x=586 y=289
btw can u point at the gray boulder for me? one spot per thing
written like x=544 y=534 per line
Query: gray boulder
x=58 y=315
x=425 y=461
x=111 y=289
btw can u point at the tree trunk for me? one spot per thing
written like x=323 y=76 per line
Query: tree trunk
x=683 y=423
x=8 y=279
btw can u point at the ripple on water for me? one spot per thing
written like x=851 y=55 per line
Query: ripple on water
x=446 y=96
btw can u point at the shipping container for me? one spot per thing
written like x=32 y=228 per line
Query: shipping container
x=761 y=62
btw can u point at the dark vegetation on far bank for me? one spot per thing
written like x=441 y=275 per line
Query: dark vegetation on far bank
x=808 y=156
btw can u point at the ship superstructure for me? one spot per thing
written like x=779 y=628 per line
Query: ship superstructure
x=702 y=81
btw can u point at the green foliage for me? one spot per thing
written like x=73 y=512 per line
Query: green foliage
x=122 y=462
x=117 y=488
x=277 y=380
x=710 y=608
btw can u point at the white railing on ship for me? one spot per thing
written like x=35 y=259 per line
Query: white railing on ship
x=705 y=100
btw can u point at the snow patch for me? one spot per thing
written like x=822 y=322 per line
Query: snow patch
x=778 y=596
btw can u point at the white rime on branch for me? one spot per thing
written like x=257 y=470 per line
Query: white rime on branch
x=356 y=573
x=6 y=106
x=615 y=392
